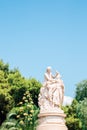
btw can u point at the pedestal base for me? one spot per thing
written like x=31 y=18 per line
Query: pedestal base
x=51 y=121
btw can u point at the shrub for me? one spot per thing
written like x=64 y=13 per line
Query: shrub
x=22 y=117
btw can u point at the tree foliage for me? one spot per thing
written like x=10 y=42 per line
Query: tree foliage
x=81 y=90
x=6 y=103
x=12 y=88
x=82 y=113
x=72 y=120
x=22 y=117
x=34 y=89
x=81 y=97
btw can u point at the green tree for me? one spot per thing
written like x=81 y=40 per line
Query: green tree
x=12 y=88
x=82 y=113
x=81 y=90
x=72 y=120
x=4 y=67
x=22 y=117
x=3 y=80
x=81 y=97
x=34 y=89
x=6 y=103
x=18 y=85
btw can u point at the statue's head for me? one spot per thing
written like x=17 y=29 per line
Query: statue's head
x=48 y=69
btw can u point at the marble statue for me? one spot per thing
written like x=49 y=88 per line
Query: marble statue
x=51 y=116
x=51 y=93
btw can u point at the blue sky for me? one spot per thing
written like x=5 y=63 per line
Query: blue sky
x=35 y=34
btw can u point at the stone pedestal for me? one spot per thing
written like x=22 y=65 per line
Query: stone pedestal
x=51 y=121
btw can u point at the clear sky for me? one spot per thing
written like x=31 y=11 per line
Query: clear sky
x=35 y=34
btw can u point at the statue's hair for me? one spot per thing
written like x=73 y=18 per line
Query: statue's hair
x=48 y=68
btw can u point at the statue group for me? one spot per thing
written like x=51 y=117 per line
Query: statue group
x=51 y=116
x=52 y=92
